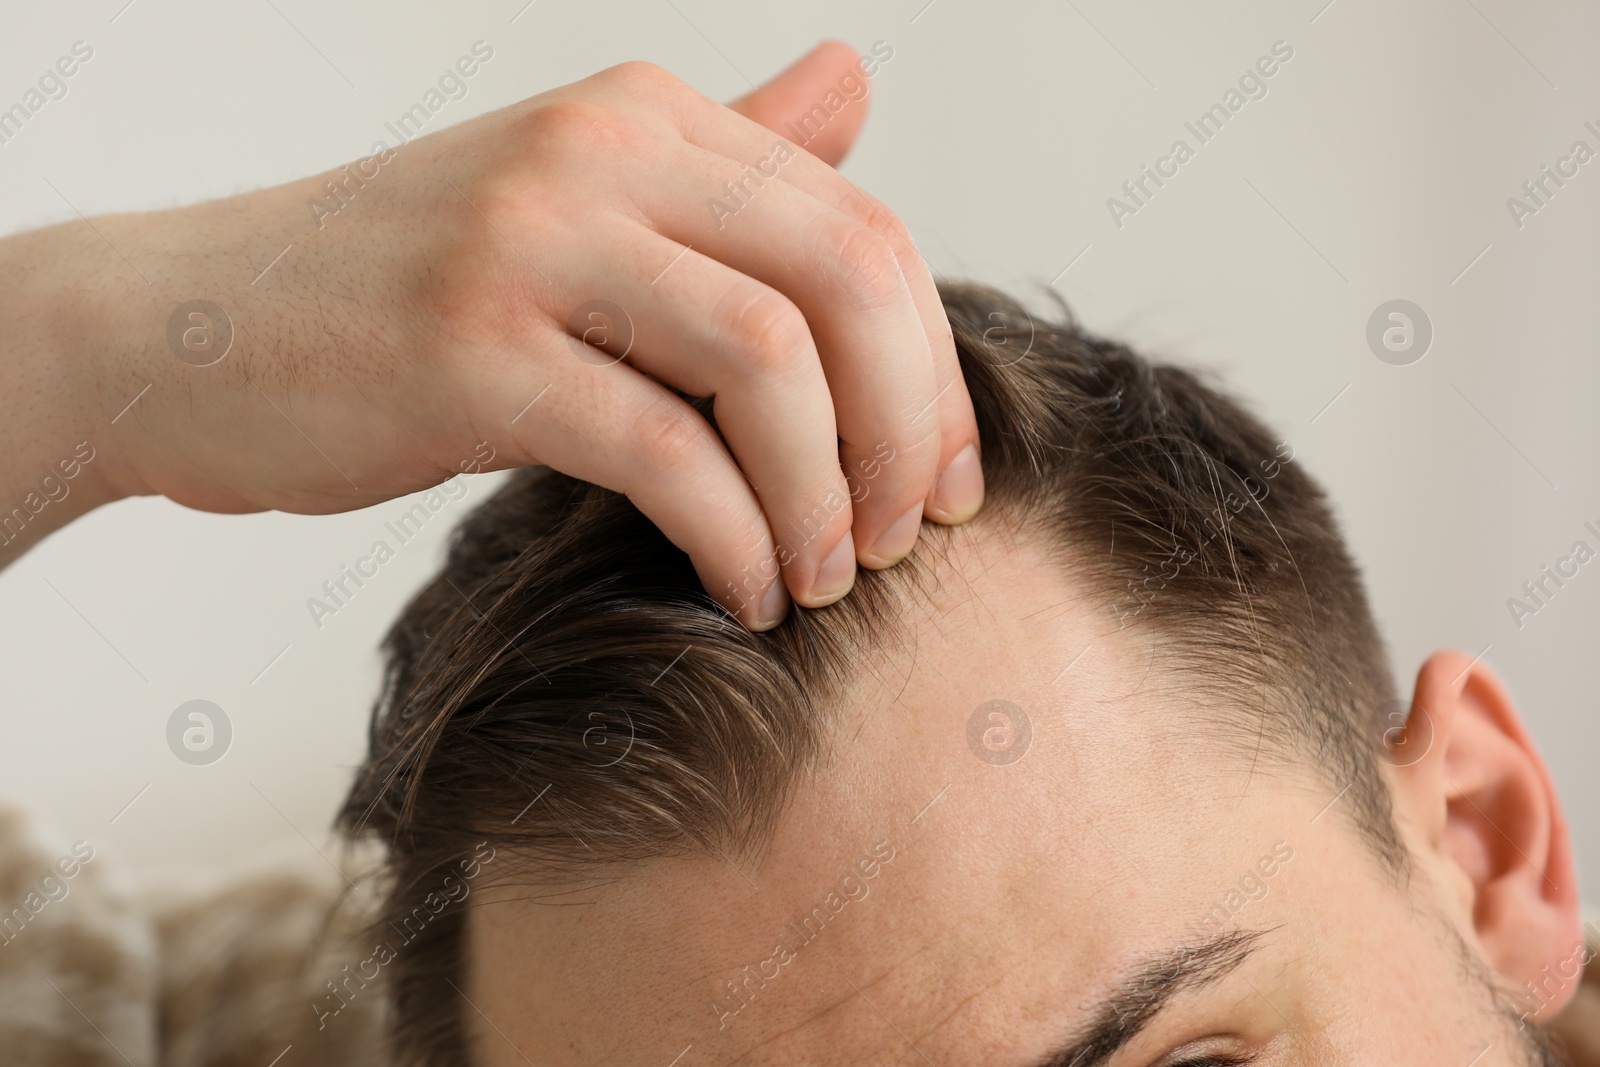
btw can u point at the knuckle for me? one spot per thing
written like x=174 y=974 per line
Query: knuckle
x=923 y=428
x=642 y=77
x=572 y=128
x=926 y=440
x=767 y=332
x=755 y=535
x=667 y=436
x=888 y=225
x=868 y=271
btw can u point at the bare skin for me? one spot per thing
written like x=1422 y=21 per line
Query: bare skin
x=431 y=323
x=1021 y=895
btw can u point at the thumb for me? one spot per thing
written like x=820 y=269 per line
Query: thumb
x=798 y=93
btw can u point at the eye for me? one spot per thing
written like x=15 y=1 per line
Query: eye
x=1189 y=1056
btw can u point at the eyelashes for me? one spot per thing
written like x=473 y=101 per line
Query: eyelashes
x=1215 y=1061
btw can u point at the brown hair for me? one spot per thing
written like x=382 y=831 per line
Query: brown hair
x=565 y=624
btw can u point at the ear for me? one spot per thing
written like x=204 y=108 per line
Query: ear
x=799 y=89
x=1474 y=785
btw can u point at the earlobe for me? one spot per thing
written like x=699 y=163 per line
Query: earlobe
x=1484 y=803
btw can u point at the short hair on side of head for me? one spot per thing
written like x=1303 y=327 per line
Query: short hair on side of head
x=565 y=628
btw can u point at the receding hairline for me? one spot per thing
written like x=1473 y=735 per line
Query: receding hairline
x=911 y=591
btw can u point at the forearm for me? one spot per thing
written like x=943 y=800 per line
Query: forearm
x=52 y=448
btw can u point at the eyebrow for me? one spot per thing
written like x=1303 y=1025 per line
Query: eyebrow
x=1148 y=987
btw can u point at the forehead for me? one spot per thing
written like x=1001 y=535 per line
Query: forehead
x=1015 y=803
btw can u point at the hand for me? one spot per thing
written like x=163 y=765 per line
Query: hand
x=426 y=319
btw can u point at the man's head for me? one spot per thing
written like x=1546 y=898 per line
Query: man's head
x=1114 y=774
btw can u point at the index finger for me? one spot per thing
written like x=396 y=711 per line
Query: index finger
x=957 y=493
x=704 y=122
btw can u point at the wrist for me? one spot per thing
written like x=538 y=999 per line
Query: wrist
x=53 y=451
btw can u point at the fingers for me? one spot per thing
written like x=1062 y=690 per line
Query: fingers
x=958 y=493
x=710 y=330
x=788 y=98
x=754 y=274
x=611 y=425
x=842 y=275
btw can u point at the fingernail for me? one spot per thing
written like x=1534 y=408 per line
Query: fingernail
x=958 y=494
x=893 y=544
x=772 y=606
x=838 y=573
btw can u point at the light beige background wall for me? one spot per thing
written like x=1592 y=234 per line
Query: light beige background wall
x=1377 y=167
